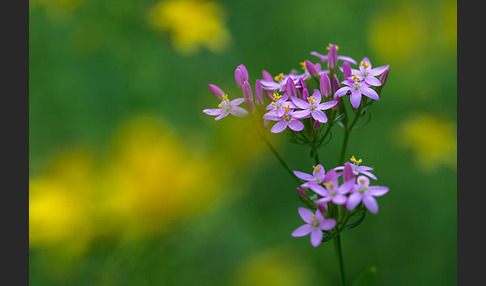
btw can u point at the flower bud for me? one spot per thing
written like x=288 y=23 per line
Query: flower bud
x=216 y=91
x=302 y=194
x=332 y=57
x=325 y=85
x=347 y=70
x=316 y=125
x=266 y=75
x=290 y=87
x=241 y=75
x=383 y=77
x=305 y=94
x=322 y=208
x=310 y=68
x=258 y=93
x=335 y=83
x=248 y=96
x=348 y=172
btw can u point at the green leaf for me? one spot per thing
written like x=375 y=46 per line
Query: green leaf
x=365 y=277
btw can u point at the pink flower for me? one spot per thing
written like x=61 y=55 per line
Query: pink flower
x=314 y=180
x=363 y=192
x=313 y=107
x=315 y=224
x=367 y=74
x=227 y=107
x=357 y=169
x=287 y=120
x=333 y=191
x=355 y=88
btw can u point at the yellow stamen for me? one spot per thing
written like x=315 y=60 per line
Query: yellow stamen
x=329 y=47
x=276 y=96
x=220 y=105
x=287 y=108
x=225 y=98
x=329 y=185
x=362 y=181
x=355 y=161
x=311 y=99
x=316 y=169
x=303 y=65
x=364 y=64
x=355 y=77
x=279 y=77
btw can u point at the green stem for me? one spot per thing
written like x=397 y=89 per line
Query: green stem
x=281 y=160
x=337 y=243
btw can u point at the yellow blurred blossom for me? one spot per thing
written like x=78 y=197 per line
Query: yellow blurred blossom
x=153 y=181
x=397 y=33
x=60 y=206
x=277 y=266
x=432 y=139
x=192 y=24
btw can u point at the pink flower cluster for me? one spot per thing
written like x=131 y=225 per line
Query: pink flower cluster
x=291 y=100
x=352 y=193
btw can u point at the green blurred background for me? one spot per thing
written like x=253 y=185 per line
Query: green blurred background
x=131 y=184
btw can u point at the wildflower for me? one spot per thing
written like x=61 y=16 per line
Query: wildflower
x=363 y=192
x=357 y=88
x=333 y=191
x=279 y=103
x=325 y=85
x=248 y=96
x=258 y=93
x=287 y=120
x=216 y=91
x=313 y=107
x=314 y=180
x=332 y=57
x=357 y=169
x=279 y=82
x=367 y=74
x=315 y=224
x=241 y=75
x=347 y=71
x=226 y=107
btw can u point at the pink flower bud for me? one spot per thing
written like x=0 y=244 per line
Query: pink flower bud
x=322 y=208
x=325 y=85
x=347 y=70
x=383 y=77
x=241 y=75
x=258 y=93
x=310 y=68
x=290 y=87
x=266 y=75
x=332 y=57
x=248 y=96
x=302 y=193
x=216 y=91
x=335 y=83
x=316 y=125
x=305 y=94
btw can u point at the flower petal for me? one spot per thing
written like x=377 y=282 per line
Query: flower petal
x=355 y=99
x=305 y=214
x=212 y=111
x=316 y=237
x=302 y=230
x=301 y=114
x=379 y=70
x=347 y=59
x=223 y=114
x=370 y=93
x=342 y=91
x=370 y=203
x=303 y=176
x=300 y=103
x=378 y=190
x=372 y=81
x=279 y=127
x=353 y=200
x=327 y=224
x=339 y=199
x=296 y=125
x=238 y=111
x=319 y=116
